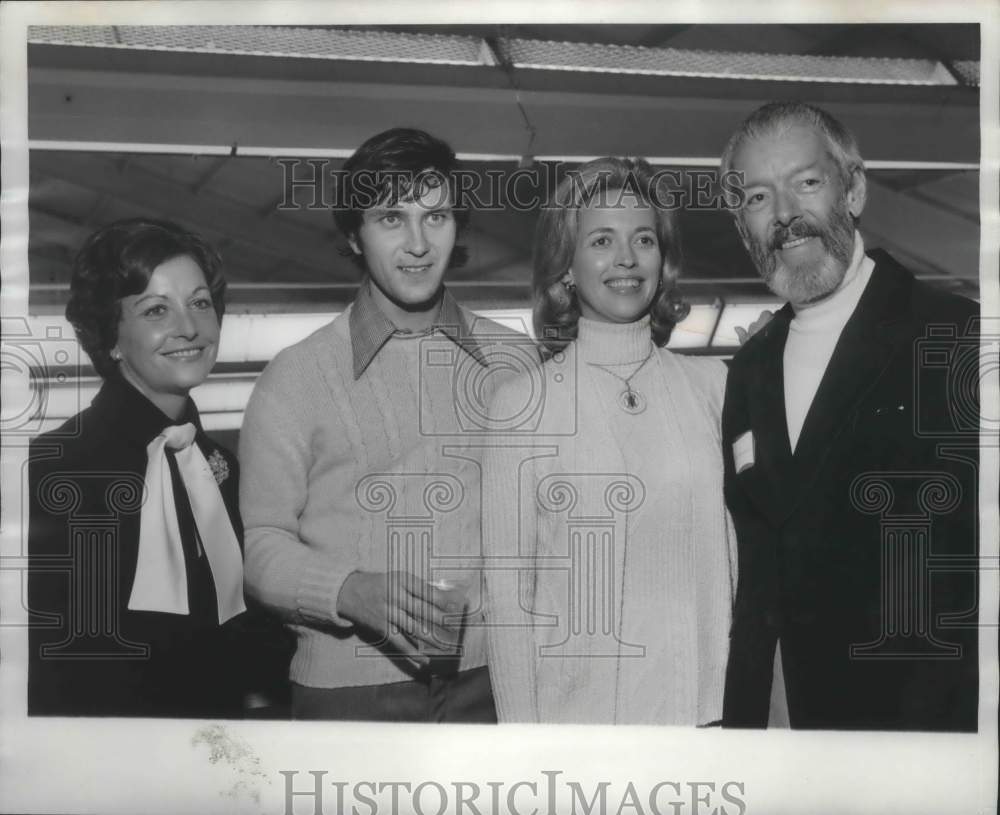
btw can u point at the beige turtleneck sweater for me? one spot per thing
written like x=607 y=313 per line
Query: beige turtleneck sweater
x=613 y=569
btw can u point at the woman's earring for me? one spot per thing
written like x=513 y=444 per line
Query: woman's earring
x=561 y=291
x=116 y=355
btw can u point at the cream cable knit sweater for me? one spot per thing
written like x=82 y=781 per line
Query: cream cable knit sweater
x=619 y=611
x=376 y=473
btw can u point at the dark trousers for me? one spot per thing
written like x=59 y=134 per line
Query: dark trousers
x=463 y=697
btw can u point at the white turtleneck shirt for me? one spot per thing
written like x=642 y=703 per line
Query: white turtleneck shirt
x=812 y=336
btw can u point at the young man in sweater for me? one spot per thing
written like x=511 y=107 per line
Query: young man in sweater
x=361 y=492
x=851 y=469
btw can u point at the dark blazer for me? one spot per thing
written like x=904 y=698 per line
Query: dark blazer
x=89 y=654
x=853 y=549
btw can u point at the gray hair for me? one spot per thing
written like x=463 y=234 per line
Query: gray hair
x=778 y=115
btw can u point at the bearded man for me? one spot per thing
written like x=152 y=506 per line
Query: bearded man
x=851 y=464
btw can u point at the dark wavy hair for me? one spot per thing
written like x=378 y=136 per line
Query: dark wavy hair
x=557 y=310
x=118 y=261
x=396 y=165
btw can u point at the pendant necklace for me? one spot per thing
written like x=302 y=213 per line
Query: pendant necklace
x=629 y=400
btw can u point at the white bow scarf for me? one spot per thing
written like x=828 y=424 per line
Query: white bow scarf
x=160 y=578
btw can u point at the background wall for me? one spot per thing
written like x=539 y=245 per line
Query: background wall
x=234 y=132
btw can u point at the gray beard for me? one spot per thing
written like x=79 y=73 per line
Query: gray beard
x=801 y=285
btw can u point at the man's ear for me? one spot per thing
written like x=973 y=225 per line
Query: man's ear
x=352 y=241
x=857 y=193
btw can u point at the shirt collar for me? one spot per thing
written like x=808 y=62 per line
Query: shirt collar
x=370 y=329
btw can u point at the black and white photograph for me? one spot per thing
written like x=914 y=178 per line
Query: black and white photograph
x=499 y=409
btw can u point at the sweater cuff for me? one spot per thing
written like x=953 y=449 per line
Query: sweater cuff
x=318 y=592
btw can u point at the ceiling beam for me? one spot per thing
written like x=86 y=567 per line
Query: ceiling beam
x=217 y=164
x=154 y=195
x=573 y=114
x=70 y=230
x=944 y=241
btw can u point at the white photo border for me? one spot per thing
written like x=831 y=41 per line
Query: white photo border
x=169 y=766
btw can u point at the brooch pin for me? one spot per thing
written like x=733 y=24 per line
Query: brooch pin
x=219 y=465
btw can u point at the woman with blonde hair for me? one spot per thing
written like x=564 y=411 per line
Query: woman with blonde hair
x=612 y=573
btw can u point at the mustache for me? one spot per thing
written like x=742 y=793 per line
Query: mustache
x=784 y=234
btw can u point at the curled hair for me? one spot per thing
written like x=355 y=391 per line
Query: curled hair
x=118 y=261
x=776 y=116
x=399 y=164
x=557 y=310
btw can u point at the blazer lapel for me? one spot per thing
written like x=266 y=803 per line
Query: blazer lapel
x=862 y=354
x=772 y=477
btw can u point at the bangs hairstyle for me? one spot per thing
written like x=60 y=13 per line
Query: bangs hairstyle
x=557 y=311
x=118 y=261
x=400 y=164
x=776 y=116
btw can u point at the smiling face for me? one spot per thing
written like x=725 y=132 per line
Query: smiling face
x=797 y=219
x=406 y=248
x=168 y=335
x=617 y=261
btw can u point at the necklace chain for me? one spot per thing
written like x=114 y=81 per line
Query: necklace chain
x=630 y=400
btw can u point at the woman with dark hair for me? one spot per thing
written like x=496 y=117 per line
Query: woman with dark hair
x=611 y=597
x=135 y=577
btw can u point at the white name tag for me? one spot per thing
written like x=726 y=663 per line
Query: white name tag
x=743 y=452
